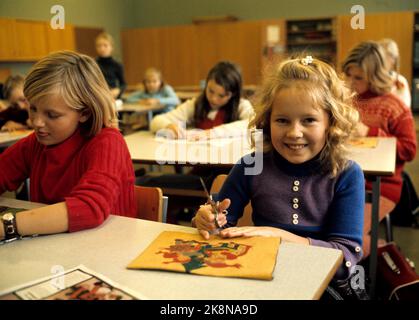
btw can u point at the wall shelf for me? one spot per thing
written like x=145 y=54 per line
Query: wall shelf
x=313 y=36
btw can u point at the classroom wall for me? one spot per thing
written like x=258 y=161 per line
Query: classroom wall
x=117 y=15
x=177 y=12
x=109 y=14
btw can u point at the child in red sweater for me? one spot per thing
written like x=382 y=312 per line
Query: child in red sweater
x=382 y=114
x=76 y=160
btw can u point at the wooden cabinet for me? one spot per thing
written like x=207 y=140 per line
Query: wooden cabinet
x=316 y=37
x=61 y=39
x=85 y=39
x=7 y=41
x=31 y=40
x=26 y=40
x=186 y=53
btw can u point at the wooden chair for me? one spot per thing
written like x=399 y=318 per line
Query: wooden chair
x=246 y=219
x=151 y=204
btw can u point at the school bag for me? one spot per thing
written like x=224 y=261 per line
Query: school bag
x=396 y=278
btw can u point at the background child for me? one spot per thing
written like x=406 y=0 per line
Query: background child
x=219 y=110
x=382 y=114
x=75 y=160
x=307 y=192
x=15 y=115
x=111 y=69
x=400 y=85
x=155 y=90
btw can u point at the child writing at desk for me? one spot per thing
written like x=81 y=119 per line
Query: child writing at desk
x=219 y=111
x=382 y=114
x=76 y=160
x=308 y=192
x=155 y=91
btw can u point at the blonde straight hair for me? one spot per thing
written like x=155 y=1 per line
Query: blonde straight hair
x=327 y=91
x=370 y=57
x=105 y=36
x=78 y=80
x=391 y=49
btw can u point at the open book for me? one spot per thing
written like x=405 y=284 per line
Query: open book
x=78 y=283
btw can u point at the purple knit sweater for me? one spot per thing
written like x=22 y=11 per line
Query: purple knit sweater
x=305 y=200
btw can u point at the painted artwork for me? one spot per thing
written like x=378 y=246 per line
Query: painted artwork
x=253 y=257
x=364 y=142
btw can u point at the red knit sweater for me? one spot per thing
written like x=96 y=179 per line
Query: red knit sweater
x=387 y=116
x=207 y=123
x=95 y=177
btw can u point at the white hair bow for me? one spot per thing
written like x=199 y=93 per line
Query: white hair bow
x=307 y=60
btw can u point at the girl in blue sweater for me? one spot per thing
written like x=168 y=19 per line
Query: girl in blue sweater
x=155 y=91
x=307 y=192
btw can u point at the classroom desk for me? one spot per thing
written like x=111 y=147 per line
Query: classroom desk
x=9 y=138
x=186 y=95
x=145 y=148
x=141 y=109
x=109 y=248
x=375 y=162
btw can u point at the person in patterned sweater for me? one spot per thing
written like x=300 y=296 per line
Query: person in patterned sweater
x=382 y=115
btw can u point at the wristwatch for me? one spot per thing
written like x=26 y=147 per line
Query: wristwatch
x=10 y=229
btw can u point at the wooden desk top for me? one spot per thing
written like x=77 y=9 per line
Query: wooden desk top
x=140 y=108
x=301 y=272
x=8 y=138
x=379 y=161
x=186 y=95
x=145 y=148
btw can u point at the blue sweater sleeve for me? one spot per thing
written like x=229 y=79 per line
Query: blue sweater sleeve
x=236 y=188
x=344 y=226
x=135 y=96
x=168 y=96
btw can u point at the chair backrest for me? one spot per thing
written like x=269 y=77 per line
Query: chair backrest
x=246 y=219
x=149 y=203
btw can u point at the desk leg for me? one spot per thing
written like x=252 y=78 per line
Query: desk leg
x=150 y=117
x=375 y=207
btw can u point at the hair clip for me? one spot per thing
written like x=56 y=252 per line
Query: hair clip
x=307 y=60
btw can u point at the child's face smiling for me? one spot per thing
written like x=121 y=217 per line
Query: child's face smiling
x=298 y=127
x=53 y=120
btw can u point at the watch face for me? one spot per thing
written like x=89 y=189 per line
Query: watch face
x=8 y=217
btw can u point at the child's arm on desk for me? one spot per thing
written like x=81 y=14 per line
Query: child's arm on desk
x=46 y=220
x=263 y=232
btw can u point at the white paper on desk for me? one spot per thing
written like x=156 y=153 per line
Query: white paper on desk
x=79 y=283
x=219 y=142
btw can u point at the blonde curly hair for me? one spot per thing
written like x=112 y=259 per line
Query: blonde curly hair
x=327 y=91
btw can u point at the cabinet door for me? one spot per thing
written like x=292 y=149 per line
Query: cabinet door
x=31 y=40
x=61 y=39
x=7 y=39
